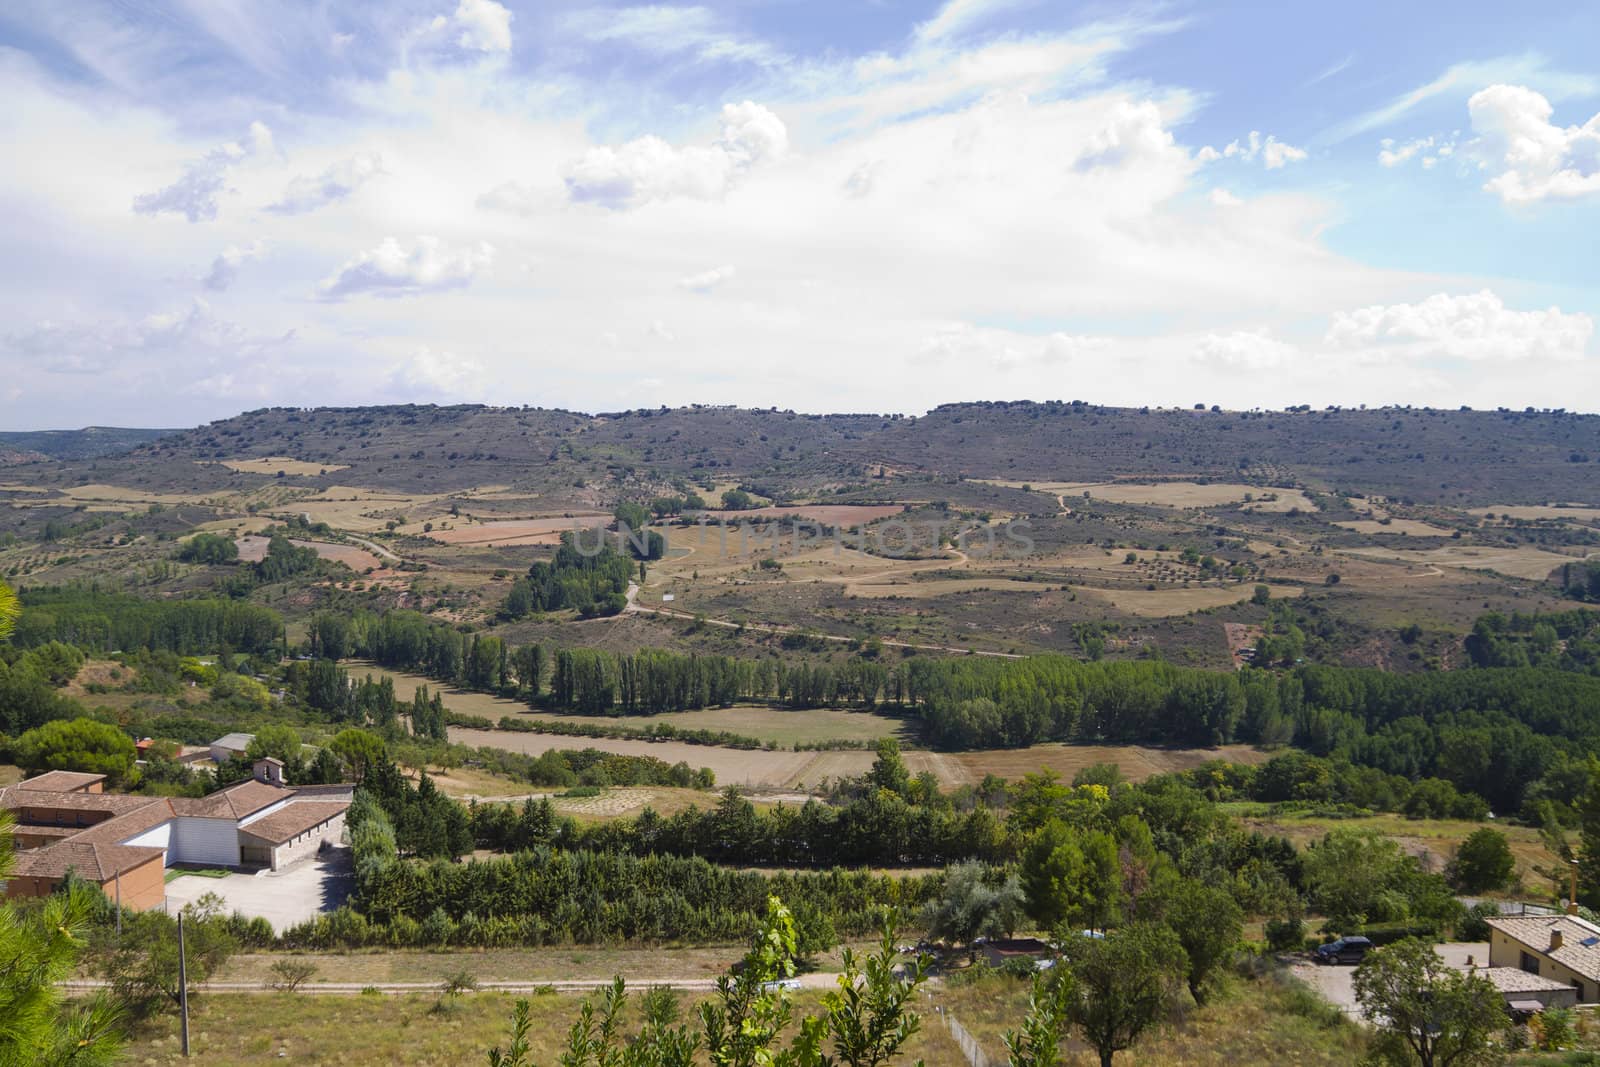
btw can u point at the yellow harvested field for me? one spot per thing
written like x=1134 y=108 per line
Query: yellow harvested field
x=937 y=587
x=254 y=549
x=536 y=531
x=1409 y=527
x=1196 y=495
x=273 y=465
x=1577 y=513
x=830 y=514
x=801 y=770
x=361 y=510
x=1159 y=603
x=782 y=725
x=1520 y=562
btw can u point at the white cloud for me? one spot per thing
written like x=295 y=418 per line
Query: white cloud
x=225 y=268
x=429 y=373
x=1273 y=153
x=305 y=194
x=195 y=194
x=1246 y=349
x=668 y=29
x=1429 y=149
x=1223 y=198
x=958 y=16
x=477 y=26
x=1476 y=326
x=95 y=346
x=963 y=344
x=649 y=168
x=392 y=269
x=708 y=280
x=1530 y=158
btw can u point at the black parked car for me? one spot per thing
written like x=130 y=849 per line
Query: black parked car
x=1344 y=950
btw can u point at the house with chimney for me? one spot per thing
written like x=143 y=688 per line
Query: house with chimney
x=65 y=821
x=1562 y=949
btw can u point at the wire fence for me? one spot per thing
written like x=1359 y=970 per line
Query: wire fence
x=970 y=1048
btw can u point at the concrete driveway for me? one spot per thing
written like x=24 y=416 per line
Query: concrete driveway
x=1336 y=982
x=284 y=898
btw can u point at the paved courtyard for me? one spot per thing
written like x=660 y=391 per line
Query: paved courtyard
x=316 y=884
x=1336 y=982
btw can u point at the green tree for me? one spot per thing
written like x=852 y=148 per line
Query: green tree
x=143 y=966
x=889 y=769
x=1589 y=832
x=39 y=949
x=1208 y=923
x=1072 y=877
x=971 y=907
x=1443 y=1016
x=1122 y=984
x=77 y=745
x=359 y=751
x=1482 y=862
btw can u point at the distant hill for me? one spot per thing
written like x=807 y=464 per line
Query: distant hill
x=91 y=442
x=1459 y=458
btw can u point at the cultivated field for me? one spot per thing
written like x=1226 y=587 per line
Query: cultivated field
x=1164 y=602
x=253 y=549
x=1409 y=527
x=845 y=515
x=798 y=770
x=1190 y=495
x=537 y=531
x=1522 y=561
x=1541 y=511
x=272 y=466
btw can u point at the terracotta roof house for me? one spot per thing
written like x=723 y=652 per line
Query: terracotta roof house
x=1562 y=948
x=125 y=843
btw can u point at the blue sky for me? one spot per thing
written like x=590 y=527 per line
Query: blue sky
x=874 y=205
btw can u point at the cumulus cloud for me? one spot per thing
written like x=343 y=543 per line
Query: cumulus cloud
x=1532 y=159
x=1134 y=133
x=476 y=26
x=306 y=193
x=1245 y=349
x=225 y=268
x=1476 y=326
x=392 y=269
x=1431 y=150
x=649 y=168
x=1273 y=153
x=194 y=195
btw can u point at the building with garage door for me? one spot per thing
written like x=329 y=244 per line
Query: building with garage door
x=124 y=844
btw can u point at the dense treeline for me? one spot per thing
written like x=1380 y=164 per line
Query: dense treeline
x=590 y=582
x=1490 y=732
x=100 y=622
x=1567 y=640
x=599 y=682
x=880 y=829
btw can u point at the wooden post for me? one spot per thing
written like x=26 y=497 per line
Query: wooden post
x=1572 y=897
x=118 y=879
x=183 y=987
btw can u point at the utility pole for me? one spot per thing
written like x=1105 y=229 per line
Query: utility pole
x=183 y=987
x=118 y=877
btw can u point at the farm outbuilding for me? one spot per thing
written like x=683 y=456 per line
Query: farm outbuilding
x=125 y=843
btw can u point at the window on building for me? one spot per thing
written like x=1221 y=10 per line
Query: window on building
x=1530 y=963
